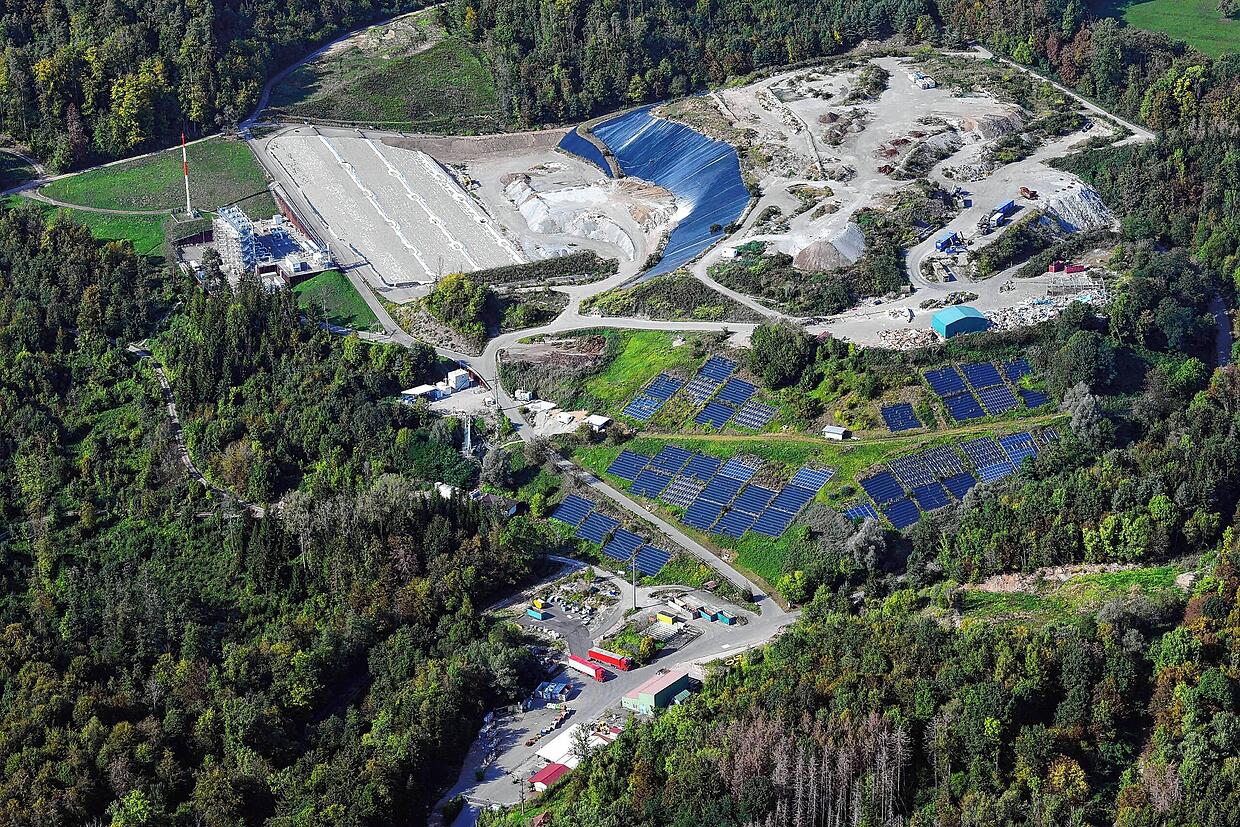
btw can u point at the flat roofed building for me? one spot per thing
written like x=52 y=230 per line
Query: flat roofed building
x=659 y=692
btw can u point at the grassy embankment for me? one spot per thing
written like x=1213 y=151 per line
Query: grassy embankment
x=332 y=297
x=145 y=232
x=407 y=73
x=222 y=171
x=1080 y=593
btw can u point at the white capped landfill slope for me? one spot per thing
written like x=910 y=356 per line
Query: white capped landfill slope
x=1080 y=208
x=398 y=208
x=569 y=211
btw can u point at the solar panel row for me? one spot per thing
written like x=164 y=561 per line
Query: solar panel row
x=736 y=392
x=721 y=490
x=753 y=499
x=882 y=487
x=982 y=451
x=1019 y=447
x=715 y=415
x=573 y=510
x=622 y=544
x=642 y=407
x=670 y=459
x=998 y=399
x=682 y=491
x=628 y=465
x=1016 y=370
x=981 y=375
x=596 y=527
x=861 y=511
x=943 y=461
x=945 y=381
x=703 y=467
x=718 y=368
x=997 y=471
x=899 y=417
x=754 y=415
x=702 y=514
x=650 y=560
x=735 y=523
x=773 y=523
x=737 y=469
x=963 y=407
x=911 y=471
x=700 y=388
x=959 y=484
x=792 y=498
x=1033 y=399
x=663 y=387
x=813 y=478
x=902 y=513
x=650 y=483
x=931 y=496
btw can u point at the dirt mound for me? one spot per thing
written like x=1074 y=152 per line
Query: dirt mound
x=1080 y=208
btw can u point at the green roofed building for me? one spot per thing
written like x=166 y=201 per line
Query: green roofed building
x=659 y=692
x=952 y=321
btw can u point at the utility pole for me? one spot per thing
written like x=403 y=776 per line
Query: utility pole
x=633 y=571
x=189 y=209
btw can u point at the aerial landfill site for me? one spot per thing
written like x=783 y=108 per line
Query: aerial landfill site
x=784 y=164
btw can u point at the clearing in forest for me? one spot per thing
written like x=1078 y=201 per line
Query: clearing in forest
x=1196 y=22
x=222 y=171
x=407 y=73
x=332 y=297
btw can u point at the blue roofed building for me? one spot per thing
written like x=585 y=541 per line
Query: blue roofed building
x=952 y=321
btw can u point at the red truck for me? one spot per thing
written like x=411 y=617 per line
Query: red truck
x=621 y=662
x=584 y=666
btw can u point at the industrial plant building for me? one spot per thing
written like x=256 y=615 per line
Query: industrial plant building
x=659 y=692
x=953 y=321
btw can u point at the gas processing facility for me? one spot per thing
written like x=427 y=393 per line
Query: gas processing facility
x=280 y=250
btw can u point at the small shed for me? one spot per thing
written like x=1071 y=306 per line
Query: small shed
x=836 y=433
x=598 y=422
x=547 y=776
x=953 y=321
x=420 y=392
x=459 y=379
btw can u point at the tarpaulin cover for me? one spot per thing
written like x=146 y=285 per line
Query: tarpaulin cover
x=703 y=174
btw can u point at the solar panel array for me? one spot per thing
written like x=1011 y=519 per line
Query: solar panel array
x=623 y=544
x=899 y=417
x=985 y=394
x=671 y=459
x=663 y=386
x=652 y=397
x=700 y=388
x=813 y=478
x=628 y=465
x=737 y=469
x=754 y=415
x=702 y=467
x=718 y=368
x=931 y=479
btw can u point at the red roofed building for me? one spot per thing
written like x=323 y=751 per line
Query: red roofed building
x=547 y=776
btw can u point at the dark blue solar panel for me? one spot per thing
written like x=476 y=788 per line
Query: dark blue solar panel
x=911 y=471
x=718 y=368
x=650 y=483
x=812 y=478
x=882 y=487
x=628 y=465
x=671 y=459
x=930 y=497
x=714 y=415
x=773 y=523
x=1033 y=399
x=902 y=513
x=702 y=514
x=983 y=451
x=622 y=545
x=736 y=391
x=754 y=499
x=702 y=467
x=861 y=511
x=793 y=498
x=900 y=417
x=573 y=510
x=721 y=490
x=960 y=484
x=649 y=560
x=943 y=461
x=945 y=381
x=981 y=375
x=735 y=523
x=596 y=527
x=1016 y=370
x=990 y=473
x=663 y=387
x=998 y=399
x=1018 y=447
x=737 y=469
x=963 y=407
x=642 y=407
x=754 y=415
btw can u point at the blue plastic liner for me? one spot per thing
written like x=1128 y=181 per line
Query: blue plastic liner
x=579 y=146
x=703 y=174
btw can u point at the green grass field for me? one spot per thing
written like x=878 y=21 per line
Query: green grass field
x=332 y=296
x=1082 y=593
x=406 y=73
x=1197 y=22
x=645 y=354
x=147 y=233
x=222 y=171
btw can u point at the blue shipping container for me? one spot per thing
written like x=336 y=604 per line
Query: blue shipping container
x=1006 y=207
x=945 y=242
x=536 y=614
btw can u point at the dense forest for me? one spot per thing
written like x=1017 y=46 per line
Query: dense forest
x=168 y=660
x=888 y=716
x=83 y=80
